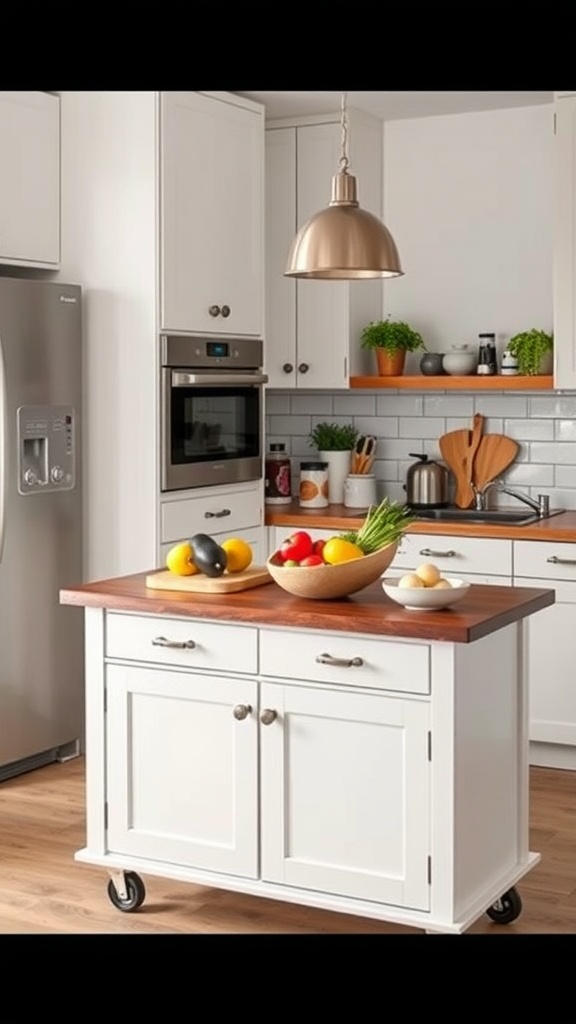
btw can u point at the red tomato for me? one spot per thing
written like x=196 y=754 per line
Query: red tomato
x=313 y=560
x=297 y=546
x=318 y=547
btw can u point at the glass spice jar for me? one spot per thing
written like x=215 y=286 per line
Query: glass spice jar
x=278 y=477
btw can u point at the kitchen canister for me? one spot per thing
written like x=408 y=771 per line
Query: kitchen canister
x=313 y=492
x=360 y=490
x=278 y=477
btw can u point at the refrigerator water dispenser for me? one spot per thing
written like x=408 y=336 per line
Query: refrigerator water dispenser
x=46 y=448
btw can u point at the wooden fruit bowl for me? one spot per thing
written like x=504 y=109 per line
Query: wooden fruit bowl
x=322 y=582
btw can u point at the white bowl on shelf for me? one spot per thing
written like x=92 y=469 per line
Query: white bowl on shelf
x=460 y=361
x=421 y=599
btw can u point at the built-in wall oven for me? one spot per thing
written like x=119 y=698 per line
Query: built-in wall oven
x=212 y=411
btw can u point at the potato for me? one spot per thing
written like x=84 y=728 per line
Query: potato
x=428 y=573
x=410 y=580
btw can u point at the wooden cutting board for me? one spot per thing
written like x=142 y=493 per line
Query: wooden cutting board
x=254 y=576
x=495 y=453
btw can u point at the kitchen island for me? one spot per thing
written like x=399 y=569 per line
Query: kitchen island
x=348 y=755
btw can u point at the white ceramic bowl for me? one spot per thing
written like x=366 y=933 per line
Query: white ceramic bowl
x=421 y=599
x=460 y=361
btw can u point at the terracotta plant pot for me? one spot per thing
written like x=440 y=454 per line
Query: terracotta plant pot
x=390 y=364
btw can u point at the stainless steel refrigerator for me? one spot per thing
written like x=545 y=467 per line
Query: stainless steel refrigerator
x=41 y=641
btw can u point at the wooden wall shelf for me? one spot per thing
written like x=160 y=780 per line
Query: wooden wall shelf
x=472 y=382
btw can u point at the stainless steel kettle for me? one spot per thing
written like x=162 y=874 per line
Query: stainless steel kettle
x=426 y=483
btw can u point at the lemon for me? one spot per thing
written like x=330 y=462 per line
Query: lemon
x=442 y=584
x=410 y=580
x=179 y=560
x=428 y=573
x=338 y=550
x=239 y=554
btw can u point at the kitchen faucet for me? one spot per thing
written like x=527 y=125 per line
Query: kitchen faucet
x=541 y=505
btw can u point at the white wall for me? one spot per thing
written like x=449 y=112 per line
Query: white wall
x=468 y=199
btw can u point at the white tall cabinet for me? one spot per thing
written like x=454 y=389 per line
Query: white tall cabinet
x=565 y=241
x=30 y=179
x=313 y=327
x=162 y=219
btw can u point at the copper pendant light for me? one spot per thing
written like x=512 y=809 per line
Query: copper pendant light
x=343 y=242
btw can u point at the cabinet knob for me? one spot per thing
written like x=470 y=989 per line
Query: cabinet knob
x=225 y=311
x=303 y=368
x=214 y=310
x=267 y=716
x=242 y=711
x=288 y=368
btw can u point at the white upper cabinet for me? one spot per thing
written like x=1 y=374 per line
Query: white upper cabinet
x=211 y=214
x=313 y=327
x=30 y=179
x=565 y=243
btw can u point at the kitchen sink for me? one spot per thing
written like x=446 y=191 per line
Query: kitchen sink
x=512 y=516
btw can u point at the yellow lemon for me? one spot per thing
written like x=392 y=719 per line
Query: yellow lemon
x=179 y=560
x=239 y=554
x=428 y=573
x=337 y=550
x=410 y=580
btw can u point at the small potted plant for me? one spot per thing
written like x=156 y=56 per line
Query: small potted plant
x=533 y=350
x=334 y=443
x=391 y=340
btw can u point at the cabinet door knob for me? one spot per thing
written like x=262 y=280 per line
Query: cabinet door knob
x=288 y=368
x=242 y=711
x=303 y=368
x=267 y=716
x=214 y=310
x=225 y=311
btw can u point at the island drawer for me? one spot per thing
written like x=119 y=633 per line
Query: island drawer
x=377 y=664
x=187 y=643
x=550 y=560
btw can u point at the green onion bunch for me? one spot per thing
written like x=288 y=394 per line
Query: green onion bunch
x=384 y=524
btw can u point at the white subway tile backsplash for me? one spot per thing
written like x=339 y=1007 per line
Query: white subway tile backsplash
x=543 y=424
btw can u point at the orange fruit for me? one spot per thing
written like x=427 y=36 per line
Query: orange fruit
x=239 y=554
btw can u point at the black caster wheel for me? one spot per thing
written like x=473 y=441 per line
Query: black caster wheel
x=507 y=908
x=135 y=889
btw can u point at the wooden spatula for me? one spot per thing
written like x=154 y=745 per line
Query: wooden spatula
x=454 y=449
x=465 y=492
x=495 y=453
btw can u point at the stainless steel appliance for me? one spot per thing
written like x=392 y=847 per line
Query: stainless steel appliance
x=426 y=483
x=212 y=411
x=41 y=642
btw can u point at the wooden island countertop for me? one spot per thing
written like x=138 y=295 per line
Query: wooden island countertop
x=484 y=610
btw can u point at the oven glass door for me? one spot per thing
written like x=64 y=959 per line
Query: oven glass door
x=213 y=434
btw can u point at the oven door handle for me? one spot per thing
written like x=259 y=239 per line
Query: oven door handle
x=182 y=380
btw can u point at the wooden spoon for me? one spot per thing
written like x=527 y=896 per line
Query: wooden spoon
x=465 y=491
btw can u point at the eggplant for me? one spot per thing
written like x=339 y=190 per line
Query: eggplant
x=207 y=555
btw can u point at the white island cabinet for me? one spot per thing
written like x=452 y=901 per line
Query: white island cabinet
x=345 y=755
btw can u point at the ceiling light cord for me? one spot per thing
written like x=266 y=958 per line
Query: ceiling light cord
x=344 y=162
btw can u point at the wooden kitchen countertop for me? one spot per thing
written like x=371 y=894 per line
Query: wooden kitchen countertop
x=483 y=610
x=560 y=527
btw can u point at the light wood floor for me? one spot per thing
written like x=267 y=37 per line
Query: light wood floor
x=43 y=890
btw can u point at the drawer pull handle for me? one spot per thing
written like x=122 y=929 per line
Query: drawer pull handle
x=561 y=561
x=327 y=659
x=218 y=515
x=267 y=716
x=438 y=554
x=241 y=711
x=161 y=641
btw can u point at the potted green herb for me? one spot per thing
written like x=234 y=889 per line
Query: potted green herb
x=533 y=350
x=334 y=443
x=391 y=340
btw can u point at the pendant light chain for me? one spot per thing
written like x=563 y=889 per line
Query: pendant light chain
x=344 y=163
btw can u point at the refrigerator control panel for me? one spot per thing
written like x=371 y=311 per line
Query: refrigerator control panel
x=46 y=448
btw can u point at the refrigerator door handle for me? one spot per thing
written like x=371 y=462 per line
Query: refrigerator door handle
x=3 y=436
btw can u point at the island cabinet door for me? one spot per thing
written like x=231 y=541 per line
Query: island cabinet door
x=181 y=767
x=346 y=793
